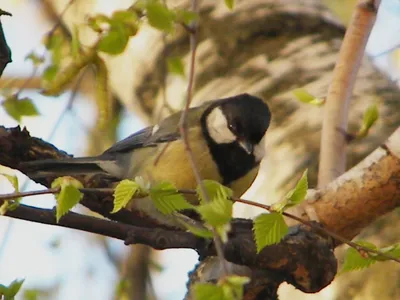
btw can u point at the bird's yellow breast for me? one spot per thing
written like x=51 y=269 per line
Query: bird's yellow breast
x=170 y=163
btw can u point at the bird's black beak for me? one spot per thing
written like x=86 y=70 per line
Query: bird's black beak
x=247 y=146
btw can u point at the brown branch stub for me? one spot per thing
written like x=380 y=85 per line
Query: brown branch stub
x=333 y=143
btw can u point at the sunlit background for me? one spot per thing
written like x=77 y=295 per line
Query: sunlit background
x=67 y=264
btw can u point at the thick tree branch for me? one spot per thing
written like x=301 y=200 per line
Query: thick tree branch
x=333 y=141
x=362 y=194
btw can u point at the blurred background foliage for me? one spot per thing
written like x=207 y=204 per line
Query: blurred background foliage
x=109 y=98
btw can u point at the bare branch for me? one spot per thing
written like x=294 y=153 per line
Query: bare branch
x=333 y=142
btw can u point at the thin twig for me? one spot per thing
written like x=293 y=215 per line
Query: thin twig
x=333 y=143
x=320 y=229
x=184 y=135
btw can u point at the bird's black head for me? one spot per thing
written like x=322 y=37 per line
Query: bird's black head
x=235 y=128
x=242 y=119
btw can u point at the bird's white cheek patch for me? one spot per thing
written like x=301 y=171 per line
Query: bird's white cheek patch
x=217 y=126
x=259 y=150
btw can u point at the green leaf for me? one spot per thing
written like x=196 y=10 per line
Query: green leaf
x=69 y=195
x=96 y=22
x=167 y=199
x=75 y=43
x=128 y=19
x=218 y=211
x=185 y=16
x=31 y=294
x=50 y=73
x=175 y=66
x=393 y=250
x=229 y=3
x=14 y=288
x=236 y=284
x=13 y=180
x=269 y=229
x=208 y=291
x=115 y=40
x=10 y=205
x=34 y=58
x=201 y=232
x=303 y=96
x=160 y=16
x=54 y=43
x=354 y=261
x=17 y=108
x=123 y=193
x=295 y=196
x=214 y=190
x=369 y=118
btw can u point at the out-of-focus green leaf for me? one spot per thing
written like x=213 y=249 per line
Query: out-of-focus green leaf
x=17 y=108
x=229 y=3
x=175 y=66
x=160 y=16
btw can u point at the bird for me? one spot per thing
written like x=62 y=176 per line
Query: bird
x=226 y=137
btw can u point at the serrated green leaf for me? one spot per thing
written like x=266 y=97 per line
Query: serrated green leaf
x=167 y=199
x=303 y=96
x=214 y=190
x=354 y=261
x=17 y=108
x=295 y=196
x=369 y=118
x=229 y=4
x=159 y=16
x=123 y=193
x=269 y=229
x=69 y=195
x=208 y=291
x=175 y=66
x=34 y=58
x=216 y=213
x=115 y=40
x=14 y=287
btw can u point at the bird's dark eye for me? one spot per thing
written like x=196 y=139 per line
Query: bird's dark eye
x=235 y=127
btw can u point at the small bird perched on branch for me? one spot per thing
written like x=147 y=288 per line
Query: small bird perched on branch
x=226 y=137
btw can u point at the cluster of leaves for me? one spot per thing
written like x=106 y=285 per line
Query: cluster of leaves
x=369 y=118
x=357 y=259
x=67 y=56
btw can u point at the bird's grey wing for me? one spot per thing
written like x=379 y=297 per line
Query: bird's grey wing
x=134 y=141
x=168 y=129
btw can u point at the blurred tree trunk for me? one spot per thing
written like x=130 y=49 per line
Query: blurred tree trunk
x=268 y=48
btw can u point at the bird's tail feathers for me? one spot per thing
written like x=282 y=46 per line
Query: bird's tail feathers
x=63 y=167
